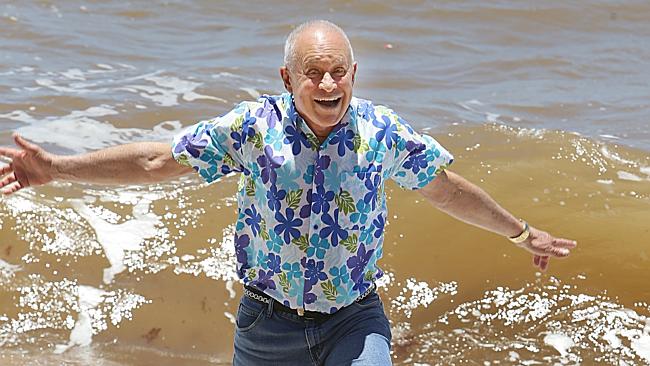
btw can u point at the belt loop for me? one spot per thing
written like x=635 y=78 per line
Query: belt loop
x=269 y=308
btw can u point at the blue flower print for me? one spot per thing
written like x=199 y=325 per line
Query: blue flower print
x=332 y=175
x=275 y=242
x=309 y=175
x=339 y=275
x=241 y=242
x=379 y=225
x=405 y=124
x=322 y=163
x=265 y=280
x=367 y=111
x=318 y=247
x=416 y=162
x=321 y=200
x=275 y=197
x=268 y=162
x=240 y=137
x=274 y=138
x=313 y=271
x=262 y=259
x=192 y=143
x=377 y=151
x=274 y=262
x=305 y=210
x=359 y=262
x=345 y=139
x=287 y=225
x=254 y=219
x=292 y=270
x=270 y=112
x=296 y=139
x=288 y=177
x=387 y=131
x=346 y=293
x=333 y=228
x=372 y=183
x=361 y=215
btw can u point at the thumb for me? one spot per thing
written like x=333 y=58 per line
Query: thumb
x=20 y=141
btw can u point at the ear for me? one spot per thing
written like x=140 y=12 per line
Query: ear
x=354 y=71
x=286 y=78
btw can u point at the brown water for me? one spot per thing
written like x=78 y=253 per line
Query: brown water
x=544 y=105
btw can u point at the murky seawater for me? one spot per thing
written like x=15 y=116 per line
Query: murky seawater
x=544 y=105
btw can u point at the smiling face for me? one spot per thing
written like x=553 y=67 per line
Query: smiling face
x=320 y=78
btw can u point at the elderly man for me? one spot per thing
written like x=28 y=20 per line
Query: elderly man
x=312 y=207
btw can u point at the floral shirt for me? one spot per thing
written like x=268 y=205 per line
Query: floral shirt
x=311 y=215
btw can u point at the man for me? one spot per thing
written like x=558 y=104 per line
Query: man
x=311 y=200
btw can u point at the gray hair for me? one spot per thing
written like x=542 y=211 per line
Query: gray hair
x=289 y=46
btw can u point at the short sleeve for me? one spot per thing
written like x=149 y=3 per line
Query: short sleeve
x=213 y=148
x=419 y=158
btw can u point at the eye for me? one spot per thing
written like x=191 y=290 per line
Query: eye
x=339 y=72
x=312 y=73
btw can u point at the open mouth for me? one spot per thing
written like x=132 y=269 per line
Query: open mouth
x=328 y=102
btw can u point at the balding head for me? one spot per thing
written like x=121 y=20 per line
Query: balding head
x=312 y=29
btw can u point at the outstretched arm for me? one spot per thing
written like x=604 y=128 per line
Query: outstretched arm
x=145 y=162
x=463 y=200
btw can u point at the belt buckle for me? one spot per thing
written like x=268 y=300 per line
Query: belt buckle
x=300 y=311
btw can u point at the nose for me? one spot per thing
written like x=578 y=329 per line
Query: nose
x=327 y=83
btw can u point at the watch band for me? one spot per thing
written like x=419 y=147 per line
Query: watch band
x=523 y=236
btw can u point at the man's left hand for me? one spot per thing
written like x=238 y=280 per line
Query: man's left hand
x=543 y=246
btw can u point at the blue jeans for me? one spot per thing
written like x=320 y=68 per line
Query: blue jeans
x=358 y=334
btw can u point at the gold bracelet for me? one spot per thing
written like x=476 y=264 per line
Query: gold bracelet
x=523 y=236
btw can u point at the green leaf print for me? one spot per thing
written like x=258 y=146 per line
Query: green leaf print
x=183 y=160
x=238 y=124
x=329 y=290
x=363 y=146
x=302 y=242
x=252 y=274
x=284 y=282
x=228 y=160
x=313 y=140
x=351 y=243
x=345 y=202
x=258 y=140
x=263 y=233
x=250 y=187
x=293 y=198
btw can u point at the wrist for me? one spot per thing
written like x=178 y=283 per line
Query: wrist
x=522 y=235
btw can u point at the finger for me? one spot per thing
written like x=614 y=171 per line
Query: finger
x=12 y=188
x=20 y=141
x=558 y=252
x=10 y=153
x=6 y=169
x=565 y=243
x=543 y=263
x=8 y=179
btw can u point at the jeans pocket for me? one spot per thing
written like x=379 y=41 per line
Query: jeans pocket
x=249 y=315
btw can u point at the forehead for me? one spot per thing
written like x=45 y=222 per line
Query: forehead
x=322 y=46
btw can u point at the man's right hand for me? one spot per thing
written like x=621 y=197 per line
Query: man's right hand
x=30 y=166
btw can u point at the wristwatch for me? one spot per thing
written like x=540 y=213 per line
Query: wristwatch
x=523 y=236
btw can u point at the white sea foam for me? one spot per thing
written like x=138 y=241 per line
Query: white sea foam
x=82 y=332
x=80 y=131
x=131 y=233
x=561 y=342
x=623 y=175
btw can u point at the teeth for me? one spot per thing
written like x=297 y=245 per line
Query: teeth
x=327 y=100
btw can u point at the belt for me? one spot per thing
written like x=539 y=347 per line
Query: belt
x=260 y=296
